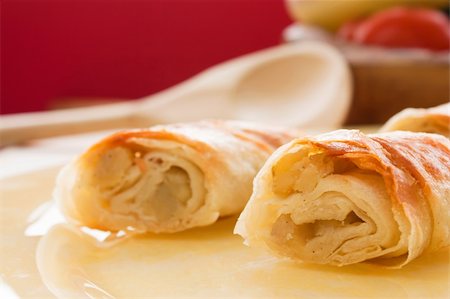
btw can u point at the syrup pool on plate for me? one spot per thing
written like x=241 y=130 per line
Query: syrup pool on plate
x=202 y=262
x=211 y=262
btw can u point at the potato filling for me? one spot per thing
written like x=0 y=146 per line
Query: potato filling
x=324 y=206
x=170 y=195
x=153 y=186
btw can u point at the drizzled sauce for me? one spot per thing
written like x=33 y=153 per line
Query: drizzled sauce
x=212 y=262
x=205 y=262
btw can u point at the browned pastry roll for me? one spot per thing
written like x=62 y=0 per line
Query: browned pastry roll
x=345 y=197
x=167 y=178
x=431 y=120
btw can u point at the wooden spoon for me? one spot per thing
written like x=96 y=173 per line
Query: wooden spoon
x=304 y=84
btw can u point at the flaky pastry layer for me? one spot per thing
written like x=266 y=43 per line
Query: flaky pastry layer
x=345 y=197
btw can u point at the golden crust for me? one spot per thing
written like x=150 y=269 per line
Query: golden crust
x=266 y=138
x=415 y=168
x=428 y=120
x=195 y=135
x=219 y=157
x=404 y=159
x=426 y=157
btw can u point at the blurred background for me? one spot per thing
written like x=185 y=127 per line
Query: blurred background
x=55 y=52
x=59 y=54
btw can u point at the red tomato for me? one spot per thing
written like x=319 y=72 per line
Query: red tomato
x=402 y=27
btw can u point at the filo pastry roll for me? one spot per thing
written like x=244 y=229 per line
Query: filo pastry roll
x=345 y=197
x=429 y=120
x=167 y=178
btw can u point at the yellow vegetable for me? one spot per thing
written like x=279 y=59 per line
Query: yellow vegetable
x=331 y=14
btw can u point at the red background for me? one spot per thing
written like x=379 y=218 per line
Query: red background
x=122 y=49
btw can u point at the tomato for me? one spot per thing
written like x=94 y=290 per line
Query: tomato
x=330 y=15
x=402 y=27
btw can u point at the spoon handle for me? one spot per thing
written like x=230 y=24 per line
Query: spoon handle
x=25 y=126
x=184 y=102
